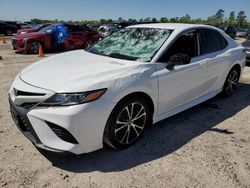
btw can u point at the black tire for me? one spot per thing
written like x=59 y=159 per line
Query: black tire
x=9 y=33
x=87 y=44
x=234 y=36
x=231 y=82
x=119 y=135
x=34 y=47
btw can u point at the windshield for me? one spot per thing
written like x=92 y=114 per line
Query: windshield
x=138 y=44
x=51 y=28
x=36 y=26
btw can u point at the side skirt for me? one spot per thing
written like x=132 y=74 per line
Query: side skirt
x=185 y=106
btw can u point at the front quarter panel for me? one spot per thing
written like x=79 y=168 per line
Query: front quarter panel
x=142 y=79
x=44 y=39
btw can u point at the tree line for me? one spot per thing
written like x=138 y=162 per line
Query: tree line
x=238 y=20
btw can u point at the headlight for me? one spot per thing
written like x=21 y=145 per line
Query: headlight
x=25 y=39
x=68 y=99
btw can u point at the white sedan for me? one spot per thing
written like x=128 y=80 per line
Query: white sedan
x=80 y=100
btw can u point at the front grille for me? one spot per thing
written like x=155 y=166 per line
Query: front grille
x=23 y=124
x=62 y=133
x=19 y=115
x=28 y=106
x=14 y=41
x=24 y=93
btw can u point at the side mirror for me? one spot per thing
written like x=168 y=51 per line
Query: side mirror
x=178 y=59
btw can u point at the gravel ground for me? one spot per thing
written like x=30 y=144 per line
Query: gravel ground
x=205 y=146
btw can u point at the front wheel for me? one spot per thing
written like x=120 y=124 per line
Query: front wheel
x=126 y=123
x=34 y=48
x=231 y=82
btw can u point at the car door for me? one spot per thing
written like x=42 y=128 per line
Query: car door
x=217 y=57
x=185 y=82
x=2 y=28
x=75 y=38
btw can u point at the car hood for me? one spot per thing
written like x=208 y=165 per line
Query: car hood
x=25 y=30
x=30 y=35
x=75 y=71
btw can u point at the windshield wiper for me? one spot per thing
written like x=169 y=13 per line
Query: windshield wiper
x=121 y=56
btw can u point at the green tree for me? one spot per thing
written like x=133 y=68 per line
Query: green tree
x=103 y=21
x=141 y=20
x=231 y=18
x=198 y=21
x=212 y=20
x=130 y=20
x=154 y=20
x=120 y=19
x=134 y=20
x=185 y=19
x=174 y=20
x=219 y=16
x=216 y=19
x=163 y=20
x=109 y=21
x=241 y=19
x=148 y=19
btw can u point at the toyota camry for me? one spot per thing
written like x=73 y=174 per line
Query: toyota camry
x=109 y=93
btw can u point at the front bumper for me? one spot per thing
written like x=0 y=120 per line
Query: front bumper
x=19 y=115
x=18 y=45
x=85 y=123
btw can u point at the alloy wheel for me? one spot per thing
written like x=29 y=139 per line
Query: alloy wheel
x=34 y=48
x=231 y=82
x=88 y=44
x=130 y=123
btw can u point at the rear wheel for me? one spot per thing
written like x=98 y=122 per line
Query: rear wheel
x=126 y=123
x=87 y=44
x=231 y=82
x=9 y=32
x=34 y=47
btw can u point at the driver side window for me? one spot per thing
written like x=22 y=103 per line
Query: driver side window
x=185 y=44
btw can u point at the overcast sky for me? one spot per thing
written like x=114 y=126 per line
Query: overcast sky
x=24 y=10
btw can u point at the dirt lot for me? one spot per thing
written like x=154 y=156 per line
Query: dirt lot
x=206 y=146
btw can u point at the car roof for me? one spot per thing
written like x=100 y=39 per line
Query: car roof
x=172 y=26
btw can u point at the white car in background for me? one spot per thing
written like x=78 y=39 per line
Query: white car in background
x=79 y=100
x=242 y=33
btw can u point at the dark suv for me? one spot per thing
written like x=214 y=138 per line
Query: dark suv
x=231 y=31
x=7 y=29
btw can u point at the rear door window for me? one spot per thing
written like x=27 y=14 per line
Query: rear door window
x=211 y=41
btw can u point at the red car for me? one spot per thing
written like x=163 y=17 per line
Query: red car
x=55 y=37
x=34 y=28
